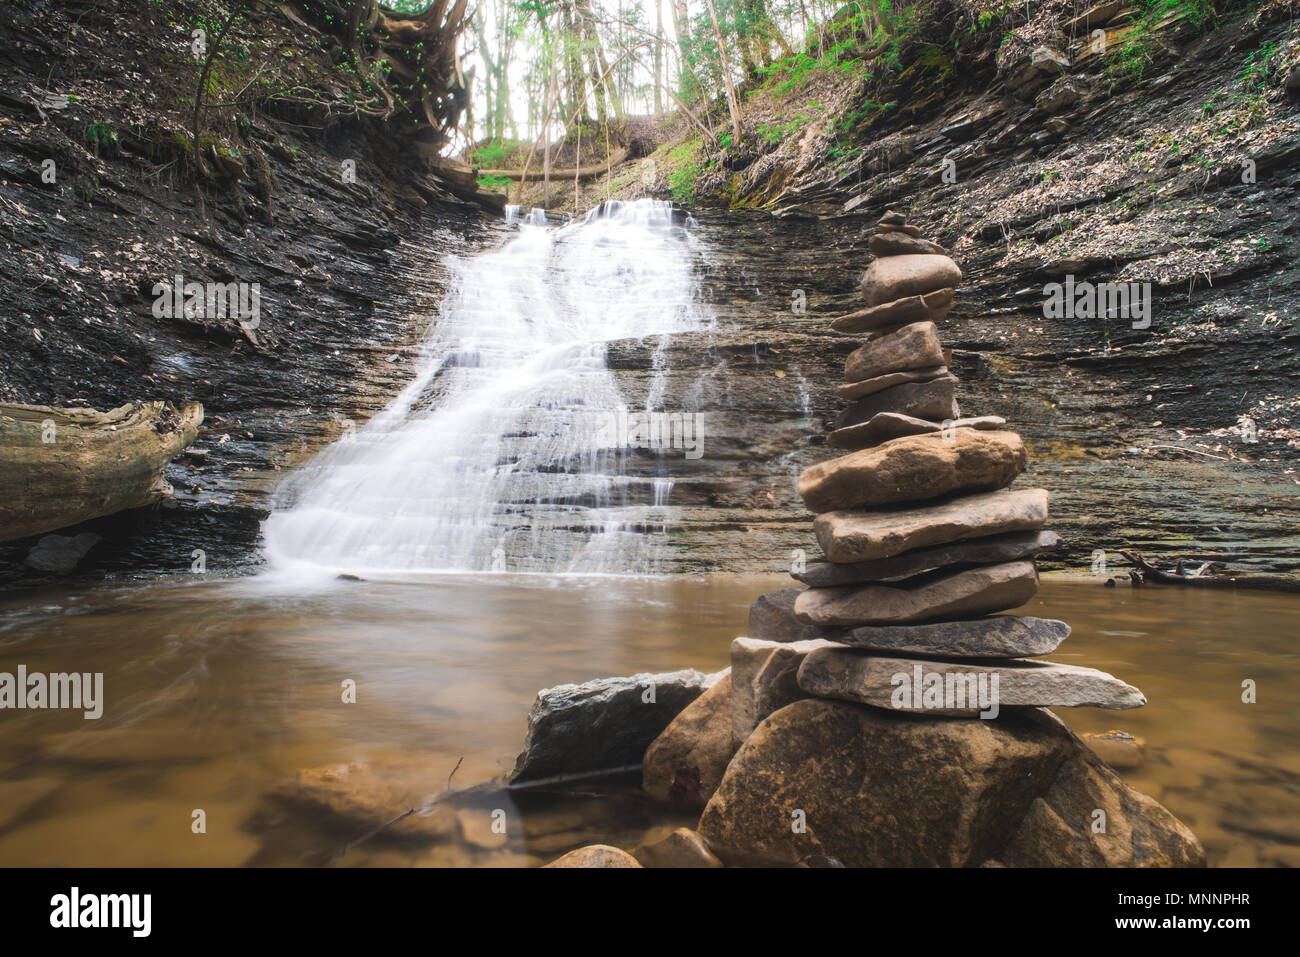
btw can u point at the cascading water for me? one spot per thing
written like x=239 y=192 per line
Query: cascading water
x=498 y=455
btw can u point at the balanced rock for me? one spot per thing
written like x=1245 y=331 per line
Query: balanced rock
x=602 y=725
x=856 y=390
x=596 y=855
x=925 y=400
x=858 y=536
x=878 y=789
x=771 y=618
x=1002 y=636
x=897 y=242
x=914 y=468
x=891 y=278
x=685 y=763
x=891 y=218
x=956 y=689
x=969 y=593
x=764 y=678
x=884 y=426
x=991 y=550
x=914 y=346
x=932 y=306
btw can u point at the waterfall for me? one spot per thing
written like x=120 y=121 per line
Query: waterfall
x=499 y=455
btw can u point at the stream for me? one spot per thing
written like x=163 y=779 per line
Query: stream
x=488 y=534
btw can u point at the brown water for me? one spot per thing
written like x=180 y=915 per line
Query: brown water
x=226 y=697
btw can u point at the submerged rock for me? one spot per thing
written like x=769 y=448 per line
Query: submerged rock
x=686 y=762
x=989 y=550
x=682 y=848
x=859 y=536
x=969 y=593
x=951 y=688
x=595 y=855
x=1119 y=749
x=604 y=725
x=60 y=553
x=914 y=468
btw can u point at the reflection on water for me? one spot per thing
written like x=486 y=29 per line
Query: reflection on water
x=227 y=697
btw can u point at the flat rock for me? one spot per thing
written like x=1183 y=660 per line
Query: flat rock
x=856 y=390
x=964 y=594
x=977 y=551
x=925 y=400
x=878 y=789
x=682 y=848
x=914 y=468
x=1002 y=636
x=884 y=426
x=932 y=306
x=895 y=277
x=948 y=688
x=859 y=536
x=894 y=242
x=771 y=618
x=686 y=762
x=751 y=701
x=913 y=346
x=596 y=855
x=604 y=725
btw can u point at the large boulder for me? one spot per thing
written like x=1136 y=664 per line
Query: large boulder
x=953 y=688
x=596 y=855
x=859 y=536
x=686 y=762
x=914 y=468
x=964 y=594
x=825 y=779
x=891 y=278
x=875 y=789
x=990 y=550
x=601 y=726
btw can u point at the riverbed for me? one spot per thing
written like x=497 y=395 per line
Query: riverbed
x=227 y=697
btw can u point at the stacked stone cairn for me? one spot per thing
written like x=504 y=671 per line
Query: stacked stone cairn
x=924 y=541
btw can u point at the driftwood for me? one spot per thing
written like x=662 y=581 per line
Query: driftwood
x=1199 y=578
x=59 y=467
x=581 y=172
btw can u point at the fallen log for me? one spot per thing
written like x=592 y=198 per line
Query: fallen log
x=582 y=172
x=1152 y=574
x=59 y=467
